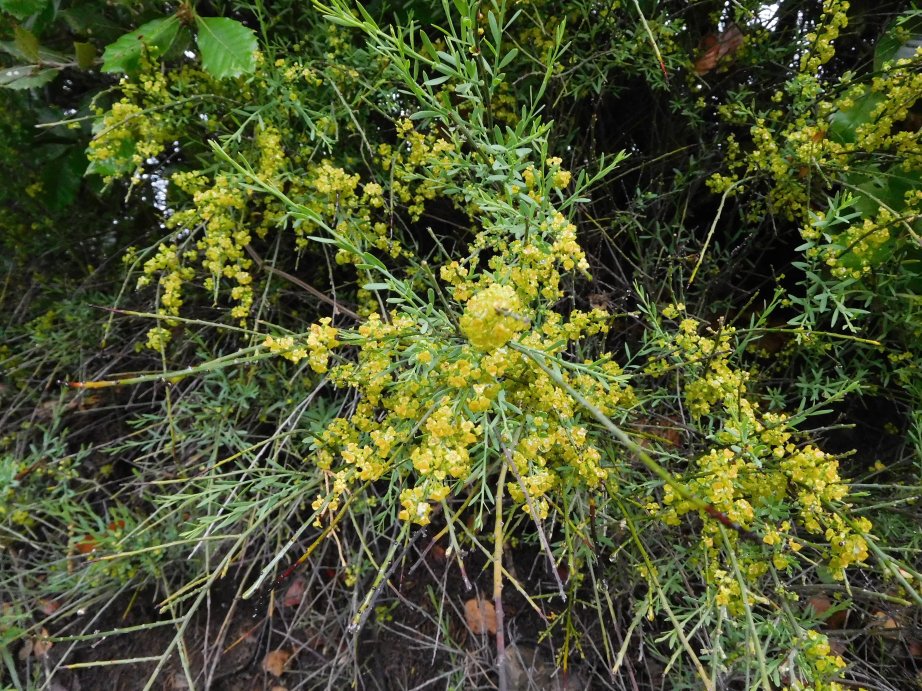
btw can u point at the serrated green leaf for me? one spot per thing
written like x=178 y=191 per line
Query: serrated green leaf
x=228 y=48
x=22 y=8
x=26 y=76
x=124 y=55
x=85 y=53
x=843 y=123
x=45 y=55
x=26 y=43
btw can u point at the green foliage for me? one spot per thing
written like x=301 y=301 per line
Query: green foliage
x=23 y=8
x=155 y=38
x=496 y=269
x=228 y=48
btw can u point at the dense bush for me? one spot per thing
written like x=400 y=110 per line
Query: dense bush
x=605 y=286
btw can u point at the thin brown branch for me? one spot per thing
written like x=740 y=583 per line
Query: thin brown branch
x=337 y=306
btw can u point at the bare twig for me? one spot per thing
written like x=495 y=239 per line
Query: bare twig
x=498 y=581
x=337 y=306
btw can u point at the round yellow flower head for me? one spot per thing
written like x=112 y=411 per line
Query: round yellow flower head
x=493 y=316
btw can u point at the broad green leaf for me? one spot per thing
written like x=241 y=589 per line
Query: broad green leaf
x=892 y=45
x=85 y=53
x=90 y=20
x=62 y=177
x=888 y=187
x=124 y=55
x=45 y=55
x=26 y=76
x=26 y=43
x=22 y=8
x=843 y=123
x=228 y=48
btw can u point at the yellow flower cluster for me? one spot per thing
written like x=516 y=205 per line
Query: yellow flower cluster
x=492 y=317
x=428 y=401
x=757 y=472
x=818 y=654
x=819 y=48
x=842 y=136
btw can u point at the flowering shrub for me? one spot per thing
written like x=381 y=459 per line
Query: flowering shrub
x=502 y=267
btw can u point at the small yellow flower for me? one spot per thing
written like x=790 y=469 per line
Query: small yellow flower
x=493 y=316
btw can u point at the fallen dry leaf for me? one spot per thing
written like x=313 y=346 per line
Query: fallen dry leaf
x=438 y=554
x=481 y=616
x=26 y=649
x=886 y=624
x=275 y=661
x=716 y=46
x=42 y=645
x=48 y=607
x=295 y=593
x=820 y=604
x=36 y=645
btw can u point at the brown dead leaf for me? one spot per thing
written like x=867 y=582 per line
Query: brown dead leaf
x=42 y=645
x=36 y=645
x=915 y=648
x=295 y=593
x=663 y=431
x=279 y=688
x=48 y=607
x=820 y=603
x=438 y=554
x=26 y=650
x=885 y=624
x=481 y=616
x=275 y=661
x=717 y=46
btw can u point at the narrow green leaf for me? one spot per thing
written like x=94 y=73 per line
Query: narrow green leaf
x=124 y=55
x=494 y=30
x=447 y=58
x=508 y=57
x=26 y=76
x=228 y=48
x=423 y=114
x=435 y=81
